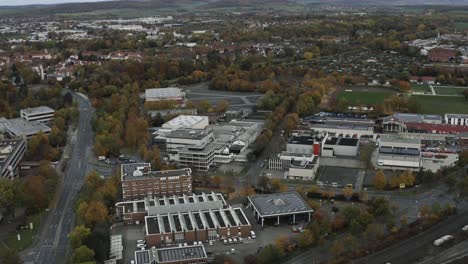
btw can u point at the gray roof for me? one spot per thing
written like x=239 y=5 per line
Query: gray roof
x=162 y=93
x=180 y=253
x=460 y=116
x=413 y=118
x=189 y=133
x=397 y=139
x=21 y=127
x=142 y=257
x=279 y=204
x=38 y=110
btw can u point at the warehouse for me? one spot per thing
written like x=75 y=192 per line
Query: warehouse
x=173 y=255
x=399 y=153
x=161 y=94
x=272 y=208
x=333 y=146
x=187 y=121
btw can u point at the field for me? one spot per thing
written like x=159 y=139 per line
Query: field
x=364 y=97
x=461 y=25
x=27 y=235
x=442 y=104
x=448 y=90
x=420 y=88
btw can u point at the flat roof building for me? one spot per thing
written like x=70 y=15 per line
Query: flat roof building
x=160 y=94
x=172 y=255
x=138 y=181
x=279 y=205
x=11 y=153
x=42 y=114
x=333 y=146
x=398 y=121
x=22 y=128
x=188 y=121
x=399 y=153
x=456 y=119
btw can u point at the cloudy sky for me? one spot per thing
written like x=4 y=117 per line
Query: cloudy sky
x=32 y=2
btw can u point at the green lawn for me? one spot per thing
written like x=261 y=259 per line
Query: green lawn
x=449 y=90
x=461 y=25
x=27 y=235
x=442 y=104
x=368 y=98
x=420 y=88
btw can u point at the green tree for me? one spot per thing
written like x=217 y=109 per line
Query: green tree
x=9 y=256
x=78 y=235
x=83 y=254
x=10 y=195
x=269 y=254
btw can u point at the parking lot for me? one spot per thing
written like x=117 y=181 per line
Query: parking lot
x=338 y=177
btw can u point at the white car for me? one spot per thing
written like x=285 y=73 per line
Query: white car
x=140 y=241
x=230 y=240
x=465 y=228
x=211 y=242
x=241 y=240
x=252 y=234
x=141 y=246
x=233 y=251
x=225 y=242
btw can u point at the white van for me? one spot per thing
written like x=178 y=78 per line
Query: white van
x=252 y=234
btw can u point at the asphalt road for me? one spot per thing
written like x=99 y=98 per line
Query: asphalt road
x=52 y=245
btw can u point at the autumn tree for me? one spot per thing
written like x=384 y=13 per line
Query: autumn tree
x=379 y=180
x=292 y=120
x=9 y=256
x=277 y=185
x=83 y=254
x=269 y=254
x=93 y=212
x=407 y=178
x=394 y=181
x=222 y=106
x=348 y=192
x=283 y=244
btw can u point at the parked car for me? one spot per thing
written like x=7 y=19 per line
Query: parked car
x=235 y=240
x=241 y=240
x=225 y=242
x=141 y=241
x=252 y=234
x=230 y=240
x=211 y=242
x=233 y=251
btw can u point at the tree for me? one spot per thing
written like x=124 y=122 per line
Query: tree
x=407 y=178
x=394 y=181
x=96 y=212
x=93 y=181
x=9 y=256
x=365 y=155
x=78 y=235
x=291 y=122
x=83 y=254
x=379 y=180
x=337 y=247
x=306 y=238
x=283 y=244
x=308 y=55
x=222 y=106
x=374 y=232
x=269 y=254
x=277 y=185
x=10 y=195
x=348 y=192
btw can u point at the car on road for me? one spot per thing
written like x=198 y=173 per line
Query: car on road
x=233 y=251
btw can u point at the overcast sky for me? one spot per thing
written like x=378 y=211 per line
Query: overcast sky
x=33 y=2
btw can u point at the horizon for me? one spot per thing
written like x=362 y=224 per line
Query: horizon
x=43 y=2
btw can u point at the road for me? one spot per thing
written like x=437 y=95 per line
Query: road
x=51 y=246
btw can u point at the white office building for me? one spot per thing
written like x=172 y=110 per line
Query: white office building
x=41 y=114
x=11 y=153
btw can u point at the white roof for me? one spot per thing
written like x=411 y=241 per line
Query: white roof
x=185 y=121
x=162 y=93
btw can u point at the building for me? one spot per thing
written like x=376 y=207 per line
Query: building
x=398 y=121
x=303 y=170
x=167 y=112
x=172 y=255
x=442 y=55
x=19 y=127
x=198 y=157
x=399 y=153
x=187 y=121
x=334 y=146
x=435 y=128
x=175 y=139
x=42 y=114
x=303 y=143
x=11 y=153
x=456 y=119
x=463 y=138
x=288 y=206
x=164 y=94
x=185 y=219
x=138 y=181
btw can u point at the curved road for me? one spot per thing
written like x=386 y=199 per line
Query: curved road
x=52 y=244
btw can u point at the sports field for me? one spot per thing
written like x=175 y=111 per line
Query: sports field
x=461 y=25
x=442 y=104
x=449 y=90
x=423 y=88
x=364 y=97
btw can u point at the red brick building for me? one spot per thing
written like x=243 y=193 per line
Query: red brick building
x=442 y=55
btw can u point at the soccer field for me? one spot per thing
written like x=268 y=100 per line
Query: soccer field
x=367 y=98
x=424 y=88
x=442 y=104
x=449 y=90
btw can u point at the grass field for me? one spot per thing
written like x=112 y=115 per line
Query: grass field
x=461 y=25
x=368 y=98
x=26 y=235
x=448 y=90
x=442 y=104
x=420 y=88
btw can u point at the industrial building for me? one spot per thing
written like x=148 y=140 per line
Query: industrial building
x=399 y=153
x=175 y=139
x=333 y=146
x=301 y=142
x=19 y=127
x=172 y=255
x=272 y=208
x=138 y=181
x=43 y=114
x=161 y=94
x=398 y=121
x=188 y=121
x=456 y=119
x=11 y=153
x=342 y=125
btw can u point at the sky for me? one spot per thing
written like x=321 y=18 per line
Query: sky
x=43 y=2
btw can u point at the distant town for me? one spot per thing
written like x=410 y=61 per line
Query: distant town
x=144 y=132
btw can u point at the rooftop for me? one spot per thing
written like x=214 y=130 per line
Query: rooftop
x=395 y=139
x=137 y=171
x=414 y=118
x=163 y=93
x=7 y=146
x=37 y=110
x=186 y=121
x=21 y=127
x=189 y=133
x=460 y=116
x=175 y=254
x=342 y=141
x=279 y=204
